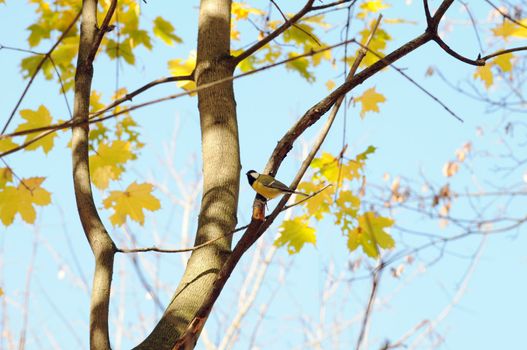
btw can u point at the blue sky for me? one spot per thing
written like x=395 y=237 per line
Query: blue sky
x=413 y=136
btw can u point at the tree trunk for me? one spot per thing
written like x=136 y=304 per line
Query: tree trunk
x=221 y=174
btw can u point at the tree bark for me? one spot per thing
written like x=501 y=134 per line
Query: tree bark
x=221 y=176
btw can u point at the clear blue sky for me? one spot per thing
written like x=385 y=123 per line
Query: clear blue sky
x=413 y=136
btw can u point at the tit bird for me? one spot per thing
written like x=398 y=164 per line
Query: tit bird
x=267 y=186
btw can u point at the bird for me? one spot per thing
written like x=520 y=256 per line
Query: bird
x=267 y=186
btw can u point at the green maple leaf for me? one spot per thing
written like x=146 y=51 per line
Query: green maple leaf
x=164 y=30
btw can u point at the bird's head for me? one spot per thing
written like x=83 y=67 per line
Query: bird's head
x=252 y=175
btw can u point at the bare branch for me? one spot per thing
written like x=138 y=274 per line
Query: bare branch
x=448 y=50
x=503 y=52
x=427 y=12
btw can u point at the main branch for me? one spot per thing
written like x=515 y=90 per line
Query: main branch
x=100 y=242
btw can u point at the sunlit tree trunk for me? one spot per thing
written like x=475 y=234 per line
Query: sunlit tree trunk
x=221 y=174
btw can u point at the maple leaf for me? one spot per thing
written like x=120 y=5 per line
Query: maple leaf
x=328 y=167
x=505 y=30
x=164 y=30
x=1 y=290
x=131 y=203
x=300 y=34
x=504 y=62
x=241 y=10
x=21 y=200
x=348 y=205
x=7 y=145
x=179 y=66
x=6 y=175
x=317 y=205
x=36 y=119
x=370 y=234
x=295 y=233
x=95 y=102
x=107 y=163
x=485 y=74
x=330 y=85
x=370 y=100
x=371 y=6
x=300 y=65
x=361 y=157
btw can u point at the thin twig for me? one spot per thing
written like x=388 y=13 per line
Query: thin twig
x=62 y=87
x=474 y=24
x=367 y=313
x=503 y=52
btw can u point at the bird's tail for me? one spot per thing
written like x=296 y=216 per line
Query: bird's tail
x=300 y=193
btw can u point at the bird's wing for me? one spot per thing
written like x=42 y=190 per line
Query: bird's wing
x=279 y=186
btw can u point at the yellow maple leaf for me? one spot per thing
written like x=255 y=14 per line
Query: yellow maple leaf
x=241 y=10
x=36 y=119
x=131 y=203
x=327 y=166
x=95 y=101
x=370 y=100
x=318 y=205
x=485 y=74
x=371 y=234
x=330 y=84
x=373 y=6
x=180 y=66
x=1 y=290
x=295 y=233
x=504 y=61
x=7 y=145
x=21 y=200
x=6 y=175
x=504 y=30
x=348 y=205
x=107 y=163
